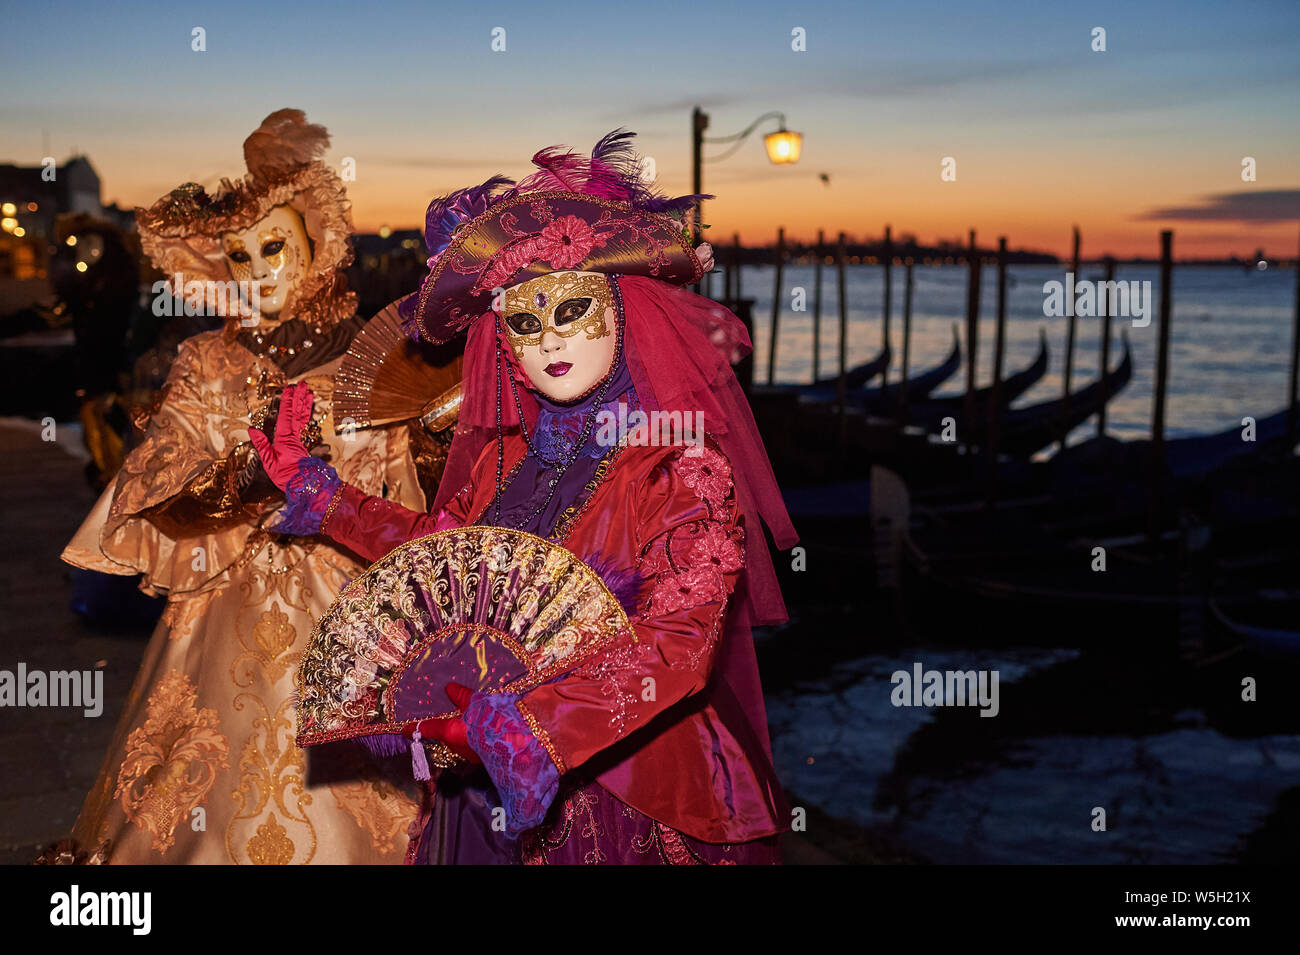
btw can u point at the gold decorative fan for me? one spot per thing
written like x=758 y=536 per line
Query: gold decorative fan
x=386 y=377
x=496 y=610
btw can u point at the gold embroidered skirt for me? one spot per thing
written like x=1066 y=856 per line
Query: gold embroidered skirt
x=203 y=766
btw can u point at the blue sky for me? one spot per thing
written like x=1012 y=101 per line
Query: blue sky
x=1045 y=131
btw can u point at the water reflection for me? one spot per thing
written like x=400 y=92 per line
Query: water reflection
x=1182 y=775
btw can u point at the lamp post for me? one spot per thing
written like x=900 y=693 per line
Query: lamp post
x=783 y=148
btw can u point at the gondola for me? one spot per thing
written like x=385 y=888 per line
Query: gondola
x=885 y=401
x=1027 y=575
x=1187 y=457
x=1026 y=430
x=826 y=389
x=1034 y=584
x=1099 y=460
x=1022 y=431
x=925 y=462
x=917 y=387
x=1033 y=558
x=929 y=414
x=854 y=378
x=1268 y=625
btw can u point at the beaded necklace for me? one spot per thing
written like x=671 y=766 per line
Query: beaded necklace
x=272 y=350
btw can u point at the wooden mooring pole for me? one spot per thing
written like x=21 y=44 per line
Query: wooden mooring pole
x=817 y=307
x=776 y=306
x=841 y=391
x=888 y=258
x=1156 y=499
x=1293 y=412
x=1105 y=343
x=907 y=341
x=972 y=331
x=1071 y=332
x=728 y=274
x=993 y=427
x=736 y=283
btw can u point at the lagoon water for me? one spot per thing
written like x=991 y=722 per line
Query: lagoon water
x=1183 y=774
x=1024 y=787
x=1229 y=339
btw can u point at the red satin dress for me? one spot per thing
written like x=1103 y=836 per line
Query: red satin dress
x=671 y=725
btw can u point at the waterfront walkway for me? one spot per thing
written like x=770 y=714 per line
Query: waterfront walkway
x=49 y=756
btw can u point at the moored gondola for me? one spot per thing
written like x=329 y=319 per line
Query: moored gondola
x=1268 y=625
x=1026 y=430
x=929 y=414
x=854 y=378
x=917 y=387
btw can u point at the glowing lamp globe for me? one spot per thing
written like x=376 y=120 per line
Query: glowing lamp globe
x=783 y=146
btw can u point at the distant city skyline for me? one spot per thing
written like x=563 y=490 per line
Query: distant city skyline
x=1045 y=132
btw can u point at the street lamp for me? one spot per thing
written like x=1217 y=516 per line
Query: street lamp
x=783 y=148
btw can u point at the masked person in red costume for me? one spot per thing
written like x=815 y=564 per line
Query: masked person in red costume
x=655 y=749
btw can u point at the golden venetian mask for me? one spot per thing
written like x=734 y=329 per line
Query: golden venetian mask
x=272 y=256
x=562 y=327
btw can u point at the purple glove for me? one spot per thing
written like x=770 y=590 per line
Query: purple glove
x=307 y=498
x=523 y=772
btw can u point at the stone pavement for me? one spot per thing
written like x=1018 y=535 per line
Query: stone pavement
x=48 y=755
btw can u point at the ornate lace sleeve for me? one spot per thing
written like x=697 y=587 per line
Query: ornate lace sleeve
x=307 y=497
x=372 y=526
x=523 y=773
x=225 y=492
x=175 y=478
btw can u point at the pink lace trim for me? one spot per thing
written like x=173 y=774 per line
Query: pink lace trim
x=707 y=474
x=691 y=568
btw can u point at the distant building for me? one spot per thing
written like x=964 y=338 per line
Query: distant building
x=388 y=266
x=372 y=245
x=30 y=200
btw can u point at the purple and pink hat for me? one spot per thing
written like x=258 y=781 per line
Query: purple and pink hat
x=576 y=213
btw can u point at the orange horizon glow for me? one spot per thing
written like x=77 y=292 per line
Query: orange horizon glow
x=764 y=199
x=761 y=199
x=750 y=213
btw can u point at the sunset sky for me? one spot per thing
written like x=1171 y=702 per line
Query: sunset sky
x=1045 y=132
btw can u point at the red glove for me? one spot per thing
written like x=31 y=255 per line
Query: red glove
x=450 y=731
x=280 y=457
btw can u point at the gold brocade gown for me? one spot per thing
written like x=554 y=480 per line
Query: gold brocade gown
x=203 y=766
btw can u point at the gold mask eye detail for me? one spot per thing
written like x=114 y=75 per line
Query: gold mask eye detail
x=571 y=310
x=275 y=247
x=241 y=263
x=530 y=310
x=524 y=323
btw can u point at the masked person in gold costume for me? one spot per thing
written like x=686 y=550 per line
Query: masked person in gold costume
x=203 y=766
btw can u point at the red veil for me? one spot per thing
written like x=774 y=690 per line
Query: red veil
x=680 y=349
